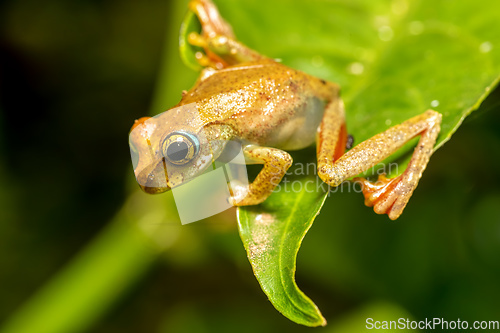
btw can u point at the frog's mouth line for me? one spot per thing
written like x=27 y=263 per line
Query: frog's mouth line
x=153 y=179
x=154 y=190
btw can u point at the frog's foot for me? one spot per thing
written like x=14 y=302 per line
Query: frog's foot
x=213 y=27
x=211 y=46
x=276 y=162
x=241 y=195
x=211 y=22
x=387 y=195
x=217 y=39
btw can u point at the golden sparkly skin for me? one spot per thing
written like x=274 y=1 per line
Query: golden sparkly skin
x=271 y=108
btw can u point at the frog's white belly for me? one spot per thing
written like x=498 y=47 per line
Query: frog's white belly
x=299 y=132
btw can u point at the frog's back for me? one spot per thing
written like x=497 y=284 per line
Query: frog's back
x=265 y=102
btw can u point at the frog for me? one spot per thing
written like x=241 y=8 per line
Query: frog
x=271 y=109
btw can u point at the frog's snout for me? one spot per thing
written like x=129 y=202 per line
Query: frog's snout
x=149 y=170
x=139 y=122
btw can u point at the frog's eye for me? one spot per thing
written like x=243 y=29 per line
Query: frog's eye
x=180 y=147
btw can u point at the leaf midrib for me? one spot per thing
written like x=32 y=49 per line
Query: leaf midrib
x=281 y=270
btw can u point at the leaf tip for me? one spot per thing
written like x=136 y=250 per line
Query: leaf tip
x=318 y=319
x=322 y=320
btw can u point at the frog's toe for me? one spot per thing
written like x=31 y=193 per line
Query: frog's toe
x=196 y=39
x=241 y=195
x=238 y=193
x=248 y=200
x=211 y=21
x=203 y=59
x=386 y=196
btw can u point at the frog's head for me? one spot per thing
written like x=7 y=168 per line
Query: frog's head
x=173 y=148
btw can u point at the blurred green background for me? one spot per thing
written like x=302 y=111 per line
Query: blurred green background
x=82 y=250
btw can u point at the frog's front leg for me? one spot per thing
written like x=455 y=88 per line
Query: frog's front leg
x=276 y=163
x=388 y=196
x=217 y=38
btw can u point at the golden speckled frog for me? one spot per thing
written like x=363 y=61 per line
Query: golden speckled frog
x=271 y=108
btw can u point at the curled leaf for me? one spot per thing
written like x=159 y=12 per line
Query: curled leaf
x=187 y=51
x=272 y=234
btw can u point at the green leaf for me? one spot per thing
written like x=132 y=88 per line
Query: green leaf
x=272 y=233
x=394 y=59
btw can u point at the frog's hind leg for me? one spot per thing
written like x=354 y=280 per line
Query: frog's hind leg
x=387 y=196
x=332 y=133
x=217 y=38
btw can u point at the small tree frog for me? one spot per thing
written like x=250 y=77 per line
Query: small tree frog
x=272 y=109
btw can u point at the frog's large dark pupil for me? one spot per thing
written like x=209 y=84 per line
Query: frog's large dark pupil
x=177 y=151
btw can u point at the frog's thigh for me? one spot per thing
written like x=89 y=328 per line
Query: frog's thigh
x=276 y=163
x=388 y=196
x=332 y=134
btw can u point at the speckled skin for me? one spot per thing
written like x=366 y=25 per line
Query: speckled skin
x=271 y=108
x=264 y=102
